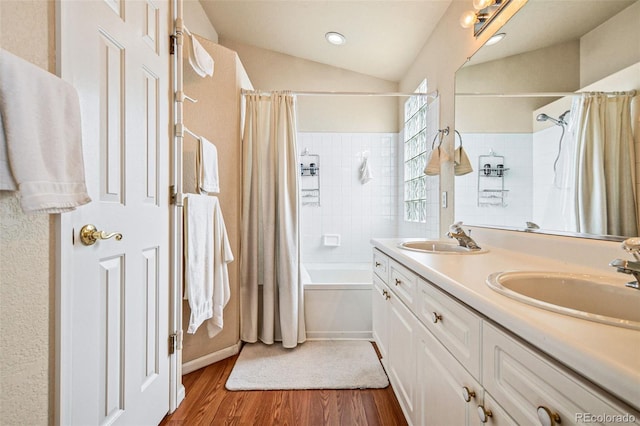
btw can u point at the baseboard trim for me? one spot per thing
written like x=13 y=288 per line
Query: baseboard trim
x=339 y=335
x=198 y=363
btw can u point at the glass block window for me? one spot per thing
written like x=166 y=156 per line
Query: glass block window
x=415 y=156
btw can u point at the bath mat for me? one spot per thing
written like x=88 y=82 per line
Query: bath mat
x=335 y=364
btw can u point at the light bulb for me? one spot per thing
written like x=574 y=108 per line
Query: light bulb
x=495 y=39
x=468 y=18
x=335 y=38
x=481 y=4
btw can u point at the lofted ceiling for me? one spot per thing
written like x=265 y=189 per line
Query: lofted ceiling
x=385 y=36
x=544 y=23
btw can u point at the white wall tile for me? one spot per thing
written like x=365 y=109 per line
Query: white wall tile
x=355 y=211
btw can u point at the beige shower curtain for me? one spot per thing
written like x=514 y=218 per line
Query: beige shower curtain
x=605 y=165
x=270 y=250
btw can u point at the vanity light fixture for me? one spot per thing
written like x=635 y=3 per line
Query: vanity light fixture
x=485 y=11
x=335 y=38
x=495 y=39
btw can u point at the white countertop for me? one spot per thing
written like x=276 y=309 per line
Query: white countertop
x=608 y=356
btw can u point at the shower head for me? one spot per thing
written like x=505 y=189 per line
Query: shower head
x=545 y=117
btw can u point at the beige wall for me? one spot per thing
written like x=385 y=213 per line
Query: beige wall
x=269 y=70
x=197 y=21
x=447 y=50
x=527 y=72
x=612 y=46
x=216 y=116
x=26 y=252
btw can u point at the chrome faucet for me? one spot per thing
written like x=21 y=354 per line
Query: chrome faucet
x=631 y=245
x=456 y=231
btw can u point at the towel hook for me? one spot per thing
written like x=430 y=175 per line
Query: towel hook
x=459 y=136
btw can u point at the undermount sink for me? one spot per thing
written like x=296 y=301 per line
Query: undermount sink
x=440 y=247
x=589 y=297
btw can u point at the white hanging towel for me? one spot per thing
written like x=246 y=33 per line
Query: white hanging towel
x=365 y=171
x=207 y=167
x=199 y=59
x=207 y=252
x=41 y=120
x=7 y=183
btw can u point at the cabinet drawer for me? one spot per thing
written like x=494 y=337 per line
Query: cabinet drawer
x=403 y=283
x=381 y=265
x=525 y=382
x=457 y=327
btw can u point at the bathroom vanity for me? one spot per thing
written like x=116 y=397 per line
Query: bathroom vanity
x=458 y=353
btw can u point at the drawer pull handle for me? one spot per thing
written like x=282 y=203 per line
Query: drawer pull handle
x=378 y=264
x=484 y=414
x=386 y=294
x=398 y=282
x=547 y=418
x=435 y=317
x=467 y=394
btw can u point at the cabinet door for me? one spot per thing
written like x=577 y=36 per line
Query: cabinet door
x=380 y=308
x=457 y=327
x=402 y=354
x=443 y=386
x=530 y=386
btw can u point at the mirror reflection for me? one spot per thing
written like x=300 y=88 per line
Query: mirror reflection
x=543 y=158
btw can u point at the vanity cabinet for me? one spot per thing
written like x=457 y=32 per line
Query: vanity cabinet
x=449 y=365
x=532 y=387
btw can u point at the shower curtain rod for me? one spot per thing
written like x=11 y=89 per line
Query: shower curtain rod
x=539 y=94
x=433 y=94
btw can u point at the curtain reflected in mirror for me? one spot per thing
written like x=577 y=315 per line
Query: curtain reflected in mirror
x=558 y=109
x=594 y=172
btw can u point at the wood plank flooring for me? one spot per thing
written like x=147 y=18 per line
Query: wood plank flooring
x=207 y=402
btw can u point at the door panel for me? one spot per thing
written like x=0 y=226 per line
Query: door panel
x=113 y=295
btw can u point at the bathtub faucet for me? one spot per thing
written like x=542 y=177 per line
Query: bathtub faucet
x=456 y=231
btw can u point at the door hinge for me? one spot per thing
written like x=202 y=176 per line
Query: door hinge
x=175 y=342
x=172 y=44
x=174 y=197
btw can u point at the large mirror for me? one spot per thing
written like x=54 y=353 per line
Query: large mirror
x=520 y=130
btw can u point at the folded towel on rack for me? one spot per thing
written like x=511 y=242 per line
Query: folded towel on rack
x=199 y=59
x=207 y=167
x=436 y=156
x=41 y=120
x=207 y=252
x=365 y=171
x=461 y=163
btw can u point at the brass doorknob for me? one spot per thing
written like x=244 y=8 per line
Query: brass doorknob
x=89 y=235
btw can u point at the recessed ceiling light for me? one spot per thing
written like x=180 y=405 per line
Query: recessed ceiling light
x=335 y=38
x=496 y=38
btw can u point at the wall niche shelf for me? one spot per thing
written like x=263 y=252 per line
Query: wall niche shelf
x=491 y=173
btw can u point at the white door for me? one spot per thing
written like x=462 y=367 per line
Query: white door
x=113 y=296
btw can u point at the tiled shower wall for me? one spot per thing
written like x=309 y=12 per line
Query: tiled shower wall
x=518 y=180
x=355 y=211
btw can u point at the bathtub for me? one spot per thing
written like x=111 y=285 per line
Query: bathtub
x=337 y=298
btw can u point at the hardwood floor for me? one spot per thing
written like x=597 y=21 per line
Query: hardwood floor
x=207 y=402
